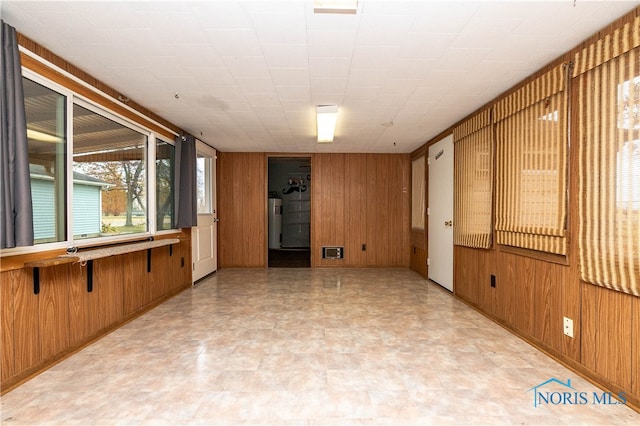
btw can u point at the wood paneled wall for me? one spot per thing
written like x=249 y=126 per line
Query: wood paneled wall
x=361 y=199
x=534 y=293
x=242 y=209
x=356 y=199
x=37 y=330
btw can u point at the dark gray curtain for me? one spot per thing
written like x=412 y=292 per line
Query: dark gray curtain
x=186 y=196
x=16 y=215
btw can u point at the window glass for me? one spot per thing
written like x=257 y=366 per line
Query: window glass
x=45 y=114
x=109 y=176
x=165 y=178
x=203 y=180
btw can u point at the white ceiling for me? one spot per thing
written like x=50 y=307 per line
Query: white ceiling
x=248 y=74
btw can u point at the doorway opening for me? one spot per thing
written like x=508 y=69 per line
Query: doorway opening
x=289 y=233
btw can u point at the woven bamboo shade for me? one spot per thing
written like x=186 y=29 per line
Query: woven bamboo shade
x=531 y=169
x=417 y=192
x=608 y=102
x=473 y=181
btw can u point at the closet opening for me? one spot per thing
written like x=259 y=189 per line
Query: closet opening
x=289 y=209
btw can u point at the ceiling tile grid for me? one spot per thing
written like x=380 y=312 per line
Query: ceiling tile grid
x=247 y=75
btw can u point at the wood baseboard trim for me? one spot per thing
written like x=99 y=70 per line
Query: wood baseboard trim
x=633 y=401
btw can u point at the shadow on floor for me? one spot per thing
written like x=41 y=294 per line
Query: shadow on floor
x=290 y=258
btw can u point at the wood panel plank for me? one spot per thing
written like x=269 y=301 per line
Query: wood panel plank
x=328 y=207
x=524 y=287
x=466 y=274
x=242 y=209
x=255 y=202
x=26 y=328
x=53 y=318
x=107 y=298
x=399 y=209
x=547 y=318
x=418 y=260
x=355 y=213
x=7 y=358
x=136 y=290
x=82 y=324
x=606 y=334
x=506 y=282
x=418 y=239
x=378 y=219
x=181 y=275
x=487 y=266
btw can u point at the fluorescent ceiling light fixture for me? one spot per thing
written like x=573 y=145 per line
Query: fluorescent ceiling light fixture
x=335 y=6
x=327 y=115
x=42 y=137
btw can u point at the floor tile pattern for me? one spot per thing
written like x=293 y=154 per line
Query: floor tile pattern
x=305 y=347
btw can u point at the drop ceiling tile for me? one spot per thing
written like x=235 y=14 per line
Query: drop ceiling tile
x=206 y=53
x=412 y=68
x=286 y=55
x=219 y=15
x=425 y=45
x=361 y=77
x=263 y=100
x=294 y=93
x=260 y=85
x=331 y=43
x=321 y=86
x=279 y=28
x=247 y=66
x=290 y=76
x=235 y=42
x=369 y=33
x=378 y=57
x=211 y=76
x=329 y=67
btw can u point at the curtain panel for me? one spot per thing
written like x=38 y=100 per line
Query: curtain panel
x=16 y=214
x=531 y=169
x=608 y=128
x=473 y=181
x=186 y=185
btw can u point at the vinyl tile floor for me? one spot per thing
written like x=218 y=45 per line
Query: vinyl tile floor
x=309 y=347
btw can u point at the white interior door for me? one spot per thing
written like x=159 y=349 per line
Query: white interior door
x=440 y=213
x=204 y=236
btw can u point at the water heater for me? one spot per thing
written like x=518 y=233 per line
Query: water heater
x=275 y=223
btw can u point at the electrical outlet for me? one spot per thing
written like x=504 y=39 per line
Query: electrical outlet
x=364 y=247
x=493 y=281
x=568 y=327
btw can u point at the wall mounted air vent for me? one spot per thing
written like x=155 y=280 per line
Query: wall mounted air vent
x=332 y=252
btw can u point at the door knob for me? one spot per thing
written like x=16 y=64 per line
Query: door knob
x=448 y=223
x=216 y=220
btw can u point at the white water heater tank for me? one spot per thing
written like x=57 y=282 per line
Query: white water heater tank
x=275 y=223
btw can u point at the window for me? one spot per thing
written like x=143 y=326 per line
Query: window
x=417 y=193
x=46 y=131
x=111 y=157
x=473 y=180
x=608 y=99
x=89 y=169
x=203 y=183
x=531 y=169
